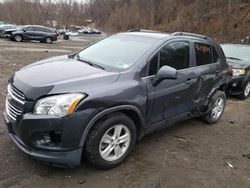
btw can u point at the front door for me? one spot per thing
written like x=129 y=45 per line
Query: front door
x=171 y=97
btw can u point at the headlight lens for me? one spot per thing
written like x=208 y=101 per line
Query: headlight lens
x=238 y=72
x=60 y=105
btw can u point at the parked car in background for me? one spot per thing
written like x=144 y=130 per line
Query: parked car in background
x=95 y=31
x=4 y=27
x=61 y=31
x=88 y=30
x=72 y=33
x=84 y=30
x=238 y=56
x=103 y=99
x=8 y=32
x=34 y=32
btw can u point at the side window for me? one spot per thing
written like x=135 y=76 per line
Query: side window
x=28 y=29
x=204 y=54
x=175 y=55
x=46 y=30
x=36 y=29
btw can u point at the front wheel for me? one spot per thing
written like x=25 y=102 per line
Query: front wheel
x=110 y=141
x=18 y=38
x=217 y=106
x=246 y=91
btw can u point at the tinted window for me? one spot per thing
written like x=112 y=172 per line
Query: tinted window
x=36 y=29
x=28 y=29
x=175 y=55
x=47 y=30
x=43 y=29
x=203 y=54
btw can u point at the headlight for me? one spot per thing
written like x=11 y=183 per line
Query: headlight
x=60 y=105
x=238 y=72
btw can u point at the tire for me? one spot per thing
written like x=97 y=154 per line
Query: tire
x=217 y=105
x=18 y=38
x=48 y=40
x=97 y=143
x=245 y=91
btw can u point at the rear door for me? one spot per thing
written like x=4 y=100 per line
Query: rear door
x=171 y=98
x=207 y=67
x=39 y=33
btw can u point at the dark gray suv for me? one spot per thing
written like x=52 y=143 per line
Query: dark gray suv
x=32 y=32
x=103 y=99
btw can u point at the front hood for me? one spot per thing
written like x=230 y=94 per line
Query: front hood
x=59 y=75
x=239 y=64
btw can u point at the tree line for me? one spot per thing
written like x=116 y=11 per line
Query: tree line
x=225 y=20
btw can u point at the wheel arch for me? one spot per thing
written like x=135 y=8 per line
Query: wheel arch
x=131 y=111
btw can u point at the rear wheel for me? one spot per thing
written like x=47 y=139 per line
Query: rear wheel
x=110 y=141
x=217 y=105
x=246 y=91
x=48 y=40
x=18 y=38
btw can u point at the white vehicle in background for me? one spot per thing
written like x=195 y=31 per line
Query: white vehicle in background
x=84 y=30
x=72 y=33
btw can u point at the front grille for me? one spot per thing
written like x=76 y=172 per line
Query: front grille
x=15 y=101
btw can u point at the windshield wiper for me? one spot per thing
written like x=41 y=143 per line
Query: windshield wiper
x=89 y=63
x=234 y=58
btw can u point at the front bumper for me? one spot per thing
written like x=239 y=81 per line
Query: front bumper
x=67 y=152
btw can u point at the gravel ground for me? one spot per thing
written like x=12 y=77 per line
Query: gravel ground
x=189 y=154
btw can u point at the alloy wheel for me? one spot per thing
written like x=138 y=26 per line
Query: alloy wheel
x=115 y=142
x=218 y=108
x=247 y=89
x=18 y=38
x=48 y=40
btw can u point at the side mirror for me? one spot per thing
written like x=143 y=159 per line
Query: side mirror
x=164 y=73
x=24 y=30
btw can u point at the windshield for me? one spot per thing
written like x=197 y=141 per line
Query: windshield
x=117 y=52
x=237 y=52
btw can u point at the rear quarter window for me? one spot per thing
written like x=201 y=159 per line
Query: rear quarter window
x=204 y=54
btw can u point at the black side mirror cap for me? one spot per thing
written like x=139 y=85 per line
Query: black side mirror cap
x=164 y=73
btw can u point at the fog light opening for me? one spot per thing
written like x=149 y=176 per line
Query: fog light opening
x=50 y=139
x=56 y=136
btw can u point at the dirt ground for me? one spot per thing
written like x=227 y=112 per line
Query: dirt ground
x=190 y=154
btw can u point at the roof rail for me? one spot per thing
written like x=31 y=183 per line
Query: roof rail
x=143 y=30
x=189 y=34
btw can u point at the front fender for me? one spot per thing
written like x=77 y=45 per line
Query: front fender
x=106 y=112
